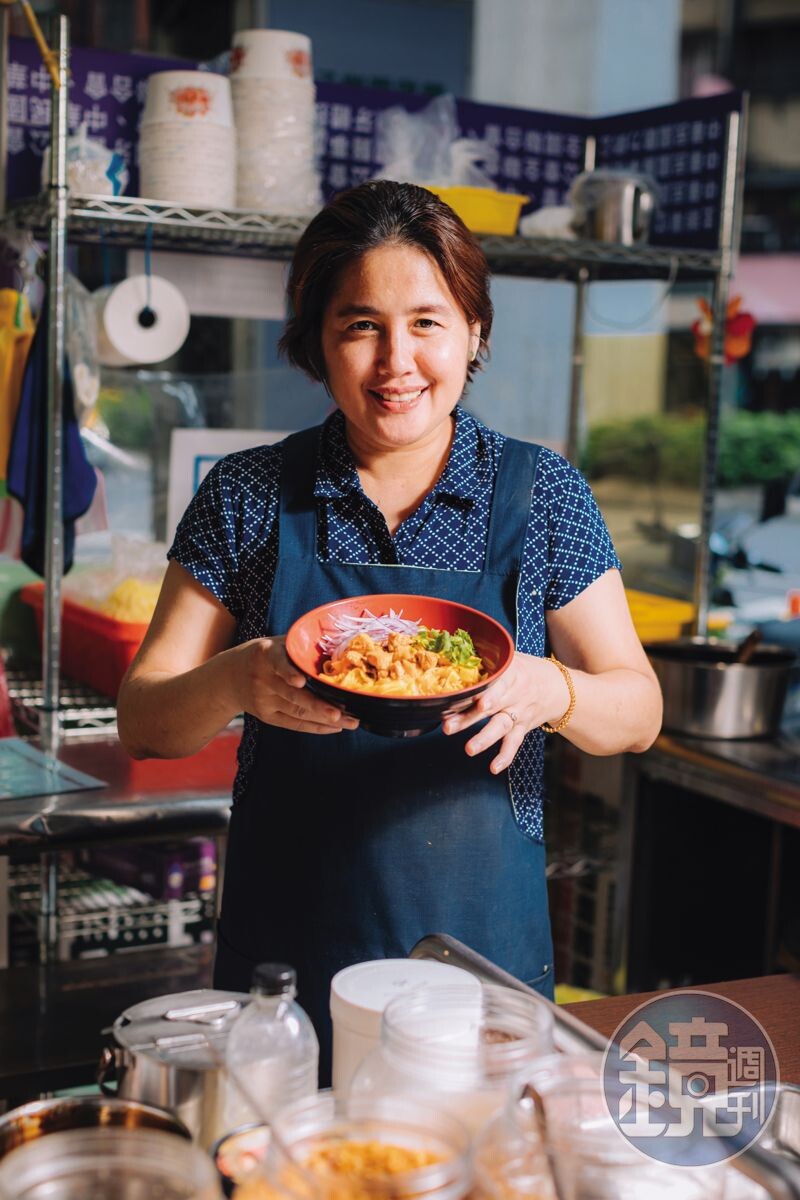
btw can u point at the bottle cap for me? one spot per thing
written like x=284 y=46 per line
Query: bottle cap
x=273 y=979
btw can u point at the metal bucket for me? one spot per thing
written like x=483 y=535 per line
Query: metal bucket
x=708 y=694
x=161 y=1055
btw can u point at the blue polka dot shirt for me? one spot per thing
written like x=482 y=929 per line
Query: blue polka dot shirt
x=228 y=540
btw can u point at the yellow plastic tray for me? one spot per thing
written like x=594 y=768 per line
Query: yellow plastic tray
x=483 y=210
x=657 y=618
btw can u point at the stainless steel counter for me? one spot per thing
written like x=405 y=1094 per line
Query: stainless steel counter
x=760 y=775
x=154 y=798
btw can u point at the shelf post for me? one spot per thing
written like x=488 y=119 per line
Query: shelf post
x=576 y=368
x=729 y=240
x=50 y=729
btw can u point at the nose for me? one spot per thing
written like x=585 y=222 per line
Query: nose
x=396 y=352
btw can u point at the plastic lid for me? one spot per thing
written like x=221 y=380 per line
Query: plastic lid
x=360 y=993
x=273 y=979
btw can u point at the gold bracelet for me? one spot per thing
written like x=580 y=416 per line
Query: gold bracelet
x=562 y=724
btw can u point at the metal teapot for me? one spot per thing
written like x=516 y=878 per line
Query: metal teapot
x=612 y=206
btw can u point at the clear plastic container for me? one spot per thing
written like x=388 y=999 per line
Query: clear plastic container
x=272 y=1049
x=367 y=1148
x=457 y=1048
x=109 y=1164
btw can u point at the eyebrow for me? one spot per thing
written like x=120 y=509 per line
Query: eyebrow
x=365 y=310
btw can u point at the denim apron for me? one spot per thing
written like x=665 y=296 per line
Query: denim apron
x=354 y=846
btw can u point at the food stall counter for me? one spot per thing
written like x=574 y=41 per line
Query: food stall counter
x=152 y=798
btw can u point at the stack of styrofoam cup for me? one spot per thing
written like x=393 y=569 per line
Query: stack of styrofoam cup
x=187 y=142
x=273 y=104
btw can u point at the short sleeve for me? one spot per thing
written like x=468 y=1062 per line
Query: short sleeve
x=580 y=549
x=205 y=541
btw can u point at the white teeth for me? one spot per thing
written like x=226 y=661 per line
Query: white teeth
x=400 y=397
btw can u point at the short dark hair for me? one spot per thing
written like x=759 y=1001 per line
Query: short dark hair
x=356 y=221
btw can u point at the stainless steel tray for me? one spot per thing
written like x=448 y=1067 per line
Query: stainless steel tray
x=774 y=1162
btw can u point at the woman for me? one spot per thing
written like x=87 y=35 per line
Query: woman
x=344 y=845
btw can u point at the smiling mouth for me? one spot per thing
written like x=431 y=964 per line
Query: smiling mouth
x=401 y=398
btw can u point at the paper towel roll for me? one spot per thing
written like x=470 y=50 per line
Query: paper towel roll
x=126 y=334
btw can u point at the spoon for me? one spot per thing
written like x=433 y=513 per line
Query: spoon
x=532 y=1099
x=748 y=647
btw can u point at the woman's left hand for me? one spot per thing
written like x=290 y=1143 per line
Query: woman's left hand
x=530 y=692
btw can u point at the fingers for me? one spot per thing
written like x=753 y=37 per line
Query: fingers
x=500 y=727
x=280 y=696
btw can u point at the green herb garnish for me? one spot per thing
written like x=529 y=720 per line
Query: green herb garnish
x=456 y=647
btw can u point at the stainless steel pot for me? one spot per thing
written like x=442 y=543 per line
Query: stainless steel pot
x=708 y=694
x=612 y=206
x=160 y=1055
x=32 y=1121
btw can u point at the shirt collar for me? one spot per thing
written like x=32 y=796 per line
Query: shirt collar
x=464 y=477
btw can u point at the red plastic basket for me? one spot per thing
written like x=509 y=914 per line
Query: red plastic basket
x=95 y=649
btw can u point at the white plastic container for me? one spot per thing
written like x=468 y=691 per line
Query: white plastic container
x=459 y=1049
x=188 y=97
x=192 y=165
x=272 y=1048
x=271 y=54
x=360 y=994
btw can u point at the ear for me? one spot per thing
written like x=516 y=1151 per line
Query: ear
x=474 y=340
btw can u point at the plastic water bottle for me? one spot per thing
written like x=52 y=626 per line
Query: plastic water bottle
x=272 y=1048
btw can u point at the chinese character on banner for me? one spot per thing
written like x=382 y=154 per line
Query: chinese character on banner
x=17 y=109
x=511 y=167
x=95 y=119
x=121 y=88
x=512 y=136
x=550 y=196
x=362 y=149
x=533 y=170
x=574 y=146
x=95 y=86
x=739 y=328
x=493 y=134
x=339 y=146
x=552 y=171
x=39 y=110
x=554 y=145
x=338 y=175
x=16 y=139
x=40 y=79
x=17 y=77
x=364 y=120
x=341 y=116
x=533 y=141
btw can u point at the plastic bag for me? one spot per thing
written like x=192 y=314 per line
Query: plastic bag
x=426 y=148
x=128 y=587
x=92 y=169
x=82 y=349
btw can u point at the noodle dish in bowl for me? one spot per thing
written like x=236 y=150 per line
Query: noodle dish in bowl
x=399 y=663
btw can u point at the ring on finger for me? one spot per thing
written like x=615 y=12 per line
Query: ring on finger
x=514 y=718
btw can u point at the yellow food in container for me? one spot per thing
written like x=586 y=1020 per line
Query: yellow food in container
x=131 y=600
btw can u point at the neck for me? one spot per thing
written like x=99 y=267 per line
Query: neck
x=398 y=479
x=426 y=458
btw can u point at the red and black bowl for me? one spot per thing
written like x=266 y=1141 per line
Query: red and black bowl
x=399 y=716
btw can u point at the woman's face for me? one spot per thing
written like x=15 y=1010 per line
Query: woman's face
x=396 y=346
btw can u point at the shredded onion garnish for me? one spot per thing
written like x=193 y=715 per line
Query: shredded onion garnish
x=338 y=636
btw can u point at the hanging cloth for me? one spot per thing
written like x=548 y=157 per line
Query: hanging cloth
x=16 y=334
x=27 y=459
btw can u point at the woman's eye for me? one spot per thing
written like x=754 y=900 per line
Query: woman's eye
x=426 y=322
x=359 y=326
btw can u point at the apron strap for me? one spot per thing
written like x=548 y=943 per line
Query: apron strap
x=508 y=523
x=511 y=505
x=297 y=529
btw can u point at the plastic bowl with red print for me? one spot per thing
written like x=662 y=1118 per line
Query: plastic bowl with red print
x=395 y=715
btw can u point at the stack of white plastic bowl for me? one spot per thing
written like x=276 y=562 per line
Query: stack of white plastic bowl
x=187 y=141
x=273 y=104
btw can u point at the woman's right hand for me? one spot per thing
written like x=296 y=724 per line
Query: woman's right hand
x=275 y=692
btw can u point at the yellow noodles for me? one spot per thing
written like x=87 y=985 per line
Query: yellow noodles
x=402 y=668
